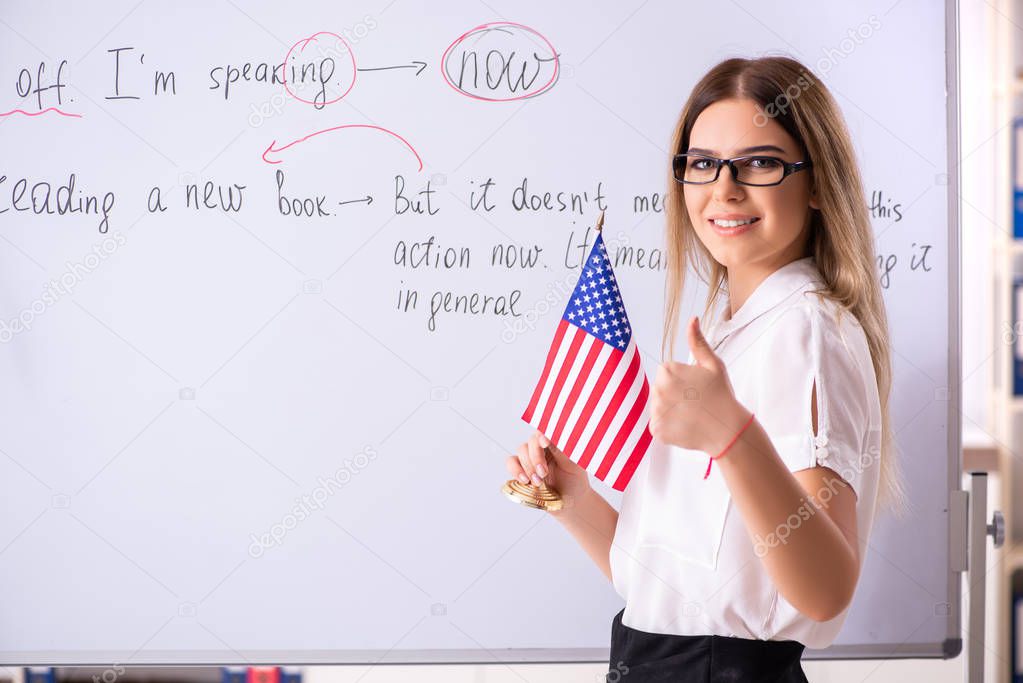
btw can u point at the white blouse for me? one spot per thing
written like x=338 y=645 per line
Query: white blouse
x=681 y=556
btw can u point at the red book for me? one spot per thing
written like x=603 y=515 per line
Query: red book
x=263 y=674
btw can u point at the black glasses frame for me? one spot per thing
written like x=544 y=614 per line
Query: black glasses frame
x=679 y=160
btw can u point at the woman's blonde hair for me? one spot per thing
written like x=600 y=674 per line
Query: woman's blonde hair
x=840 y=235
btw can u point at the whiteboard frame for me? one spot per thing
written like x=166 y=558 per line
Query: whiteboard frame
x=950 y=647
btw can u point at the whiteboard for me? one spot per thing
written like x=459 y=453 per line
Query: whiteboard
x=262 y=363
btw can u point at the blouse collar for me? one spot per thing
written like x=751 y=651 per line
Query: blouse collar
x=777 y=287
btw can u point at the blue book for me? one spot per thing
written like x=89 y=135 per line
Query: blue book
x=291 y=674
x=233 y=674
x=1017 y=177
x=1017 y=336
x=40 y=674
x=1016 y=627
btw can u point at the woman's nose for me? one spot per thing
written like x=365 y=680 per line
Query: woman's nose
x=725 y=186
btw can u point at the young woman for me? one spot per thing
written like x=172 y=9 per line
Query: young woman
x=741 y=538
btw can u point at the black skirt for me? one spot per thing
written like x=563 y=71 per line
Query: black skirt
x=643 y=657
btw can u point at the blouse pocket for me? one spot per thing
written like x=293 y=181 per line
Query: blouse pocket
x=683 y=513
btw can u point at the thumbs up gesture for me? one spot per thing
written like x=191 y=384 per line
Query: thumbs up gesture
x=694 y=406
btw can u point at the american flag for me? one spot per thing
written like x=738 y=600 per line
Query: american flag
x=592 y=395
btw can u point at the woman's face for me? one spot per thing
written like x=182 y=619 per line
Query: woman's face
x=727 y=129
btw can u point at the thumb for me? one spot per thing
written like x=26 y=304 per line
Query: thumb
x=698 y=344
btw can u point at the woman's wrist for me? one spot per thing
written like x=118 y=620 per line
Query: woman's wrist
x=571 y=504
x=733 y=422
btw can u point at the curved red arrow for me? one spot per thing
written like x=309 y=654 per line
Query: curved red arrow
x=271 y=148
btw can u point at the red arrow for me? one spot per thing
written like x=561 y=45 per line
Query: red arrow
x=272 y=149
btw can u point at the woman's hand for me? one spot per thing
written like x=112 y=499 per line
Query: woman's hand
x=570 y=480
x=694 y=406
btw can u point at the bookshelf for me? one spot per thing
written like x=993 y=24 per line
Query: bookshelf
x=1005 y=409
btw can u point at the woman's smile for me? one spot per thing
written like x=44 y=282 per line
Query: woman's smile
x=733 y=227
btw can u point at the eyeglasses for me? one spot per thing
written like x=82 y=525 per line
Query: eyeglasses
x=700 y=169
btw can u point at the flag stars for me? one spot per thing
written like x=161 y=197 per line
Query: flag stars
x=596 y=302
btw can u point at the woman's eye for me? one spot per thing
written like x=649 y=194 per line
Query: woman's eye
x=764 y=163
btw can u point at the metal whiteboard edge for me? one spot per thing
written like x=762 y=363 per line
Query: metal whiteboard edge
x=946 y=649
x=959 y=531
x=955 y=626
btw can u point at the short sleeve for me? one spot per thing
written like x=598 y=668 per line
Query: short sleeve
x=803 y=347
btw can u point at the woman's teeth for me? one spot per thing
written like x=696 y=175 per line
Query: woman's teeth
x=734 y=224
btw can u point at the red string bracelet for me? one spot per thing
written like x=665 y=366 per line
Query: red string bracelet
x=734 y=439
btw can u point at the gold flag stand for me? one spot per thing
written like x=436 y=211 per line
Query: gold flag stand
x=542 y=497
